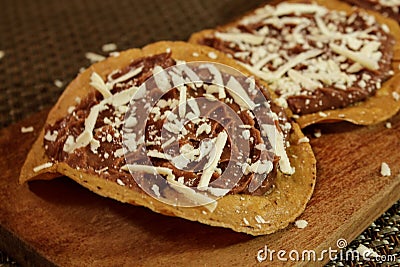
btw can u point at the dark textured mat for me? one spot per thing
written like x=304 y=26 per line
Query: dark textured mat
x=47 y=40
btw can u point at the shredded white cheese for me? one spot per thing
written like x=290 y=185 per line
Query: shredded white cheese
x=51 y=136
x=97 y=82
x=149 y=169
x=94 y=145
x=191 y=74
x=182 y=101
x=329 y=55
x=156 y=190
x=317 y=134
x=241 y=37
x=120 y=182
x=322 y=114
x=355 y=56
x=298 y=8
x=246 y=134
x=130 y=74
x=161 y=79
x=203 y=128
x=194 y=106
x=212 y=55
x=156 y=154
x=396 y=96
x=198 y=198
x=301 y=224
x=277 y=142
x=42 y=167
x=219 y=148
x=119 y=152
x=218 y=192
x=260 y=219
x=303 y=140
x=87 y=135
x=260 y=167
x=295 y=61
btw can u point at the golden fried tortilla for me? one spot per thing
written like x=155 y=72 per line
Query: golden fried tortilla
x=254 y=215
x=379 y=107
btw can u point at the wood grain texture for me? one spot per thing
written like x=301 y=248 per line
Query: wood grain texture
x=60 y=223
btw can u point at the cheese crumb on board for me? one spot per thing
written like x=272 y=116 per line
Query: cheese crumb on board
x=331 y=53
x=385 y=169
x=388 y=125
x=28 y=129
x=301 y=224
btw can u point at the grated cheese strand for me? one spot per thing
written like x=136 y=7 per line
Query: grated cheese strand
x=87 y=135
x=306 y=82
x=207 y=173
x=42 y=166
x=130 y=74
x=241 y=37
x=355 y=56
x=198 y=198
x=295 y=61
x=182 y=101
x=239 y=94
x=97 y=82
x=149 y=169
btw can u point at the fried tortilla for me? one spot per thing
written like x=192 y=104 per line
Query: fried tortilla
x=89 y=136
x=325 y=60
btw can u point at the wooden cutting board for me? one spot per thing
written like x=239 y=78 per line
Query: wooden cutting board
x=46 y=223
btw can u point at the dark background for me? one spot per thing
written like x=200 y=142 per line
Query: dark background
x=44 y=41
x=47 y=40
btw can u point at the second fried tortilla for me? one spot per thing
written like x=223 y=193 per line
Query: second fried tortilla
x=326 y=61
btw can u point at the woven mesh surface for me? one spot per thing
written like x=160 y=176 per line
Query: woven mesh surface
x=44 y=41
x=47 y=40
